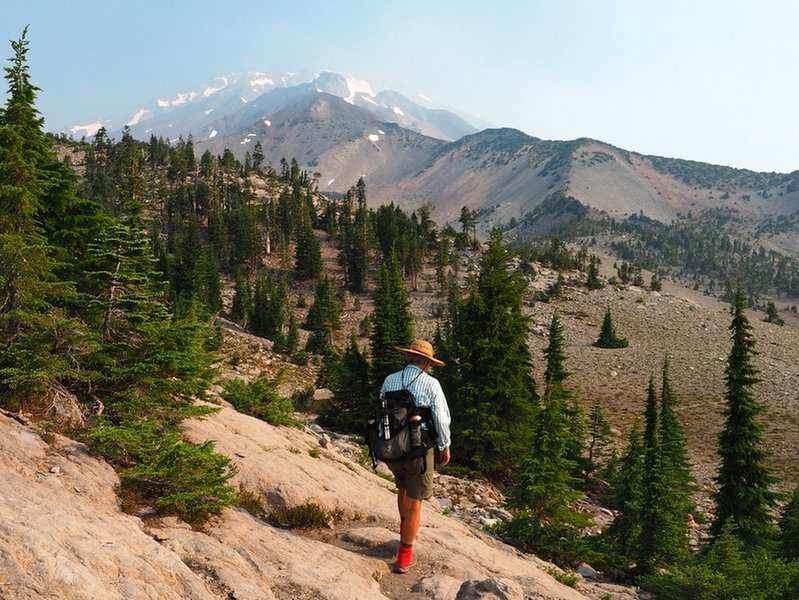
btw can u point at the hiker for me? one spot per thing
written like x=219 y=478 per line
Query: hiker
x=415 y=480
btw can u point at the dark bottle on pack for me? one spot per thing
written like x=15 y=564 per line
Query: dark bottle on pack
x=385 y=427
x=415 y=426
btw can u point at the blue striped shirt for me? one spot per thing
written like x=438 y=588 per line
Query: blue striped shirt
x=427 y=391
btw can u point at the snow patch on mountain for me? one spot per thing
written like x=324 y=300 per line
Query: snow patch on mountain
x=88 y=130
x=374 y=137
x=213 y=134
x=179 y=100
x=358 y=86
x=398 y=111
x=213 y=90
x=137 y=117
x=260 y=81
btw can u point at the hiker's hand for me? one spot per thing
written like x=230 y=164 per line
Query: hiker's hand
x=443 y=457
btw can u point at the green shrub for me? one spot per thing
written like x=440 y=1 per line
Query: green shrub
x=188 y=480
x=261 y=399
x=303 y=399
x=308 y=515
x=564 y=577
x=727 y=572
x=252 y=503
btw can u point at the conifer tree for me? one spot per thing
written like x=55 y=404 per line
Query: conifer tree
x=392 y=322
x=593 y=282
x=212 y=286
x=308 y=254
x=324 y=317
x=360 y=243
x=242 y=300
x=353 y=392
x=40 y=342
x=598 y=435
x=492 y=391
x=678 y=483
x=545 y=485
x=627 y=497
x=744 y=494
x=293 y=335
x=607 y=335
x=653 y=519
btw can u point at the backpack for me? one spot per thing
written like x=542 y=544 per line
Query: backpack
x=395 y=430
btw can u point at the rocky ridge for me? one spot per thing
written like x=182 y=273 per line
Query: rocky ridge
x=63 y=534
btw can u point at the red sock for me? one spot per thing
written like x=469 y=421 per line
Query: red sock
x=404 y=558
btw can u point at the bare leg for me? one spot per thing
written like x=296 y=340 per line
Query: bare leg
x=411 y=510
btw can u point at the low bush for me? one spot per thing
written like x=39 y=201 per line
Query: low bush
x=261 y=399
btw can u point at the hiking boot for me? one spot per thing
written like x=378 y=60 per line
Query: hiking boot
x=404 y=559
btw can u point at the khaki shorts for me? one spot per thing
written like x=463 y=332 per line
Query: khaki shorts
x=408 y=476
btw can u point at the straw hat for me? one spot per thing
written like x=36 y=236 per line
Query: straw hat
x=422 y=348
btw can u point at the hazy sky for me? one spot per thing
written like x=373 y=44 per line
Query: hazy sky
x=709 y=80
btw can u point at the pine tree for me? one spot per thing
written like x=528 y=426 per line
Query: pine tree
x=353 y=392
x=627 y=497
x=392 y=322
x=744 y=481
x=242 y=300
x=772 y=316
x=678 y=483
x=593 y=282
x=607 y=335
x=545 y=487
x=40 y=341
x=492 y=394
x=324 y=317
x=357 y=264
x=308 y=255
x=598 y=435
x=653 y=519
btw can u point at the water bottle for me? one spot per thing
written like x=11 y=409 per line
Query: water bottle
x=385 y=428
x=415 y=424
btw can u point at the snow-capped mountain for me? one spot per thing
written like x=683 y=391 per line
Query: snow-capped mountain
x=230 y=104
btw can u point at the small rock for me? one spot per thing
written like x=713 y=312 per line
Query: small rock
x=445 y=503
x=587 y=572
x=55 y=470
x=490 y=589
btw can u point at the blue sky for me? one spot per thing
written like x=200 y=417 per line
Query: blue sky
x=708 y=80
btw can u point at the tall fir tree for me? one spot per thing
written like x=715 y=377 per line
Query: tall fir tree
x=353 y=392
x=744 y=494
x=308 y=253
x=392 y=322
x=545 y=486
x=492 y=392
x=653 y=517
x=626 y=495
x=40 y=341
x=324 y=317
x=358 y=256
x=679 y=485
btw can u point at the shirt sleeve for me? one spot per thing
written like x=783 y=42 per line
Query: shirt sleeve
x=441 y=417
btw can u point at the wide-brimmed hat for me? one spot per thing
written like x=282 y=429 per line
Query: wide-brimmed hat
x=422 y=348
